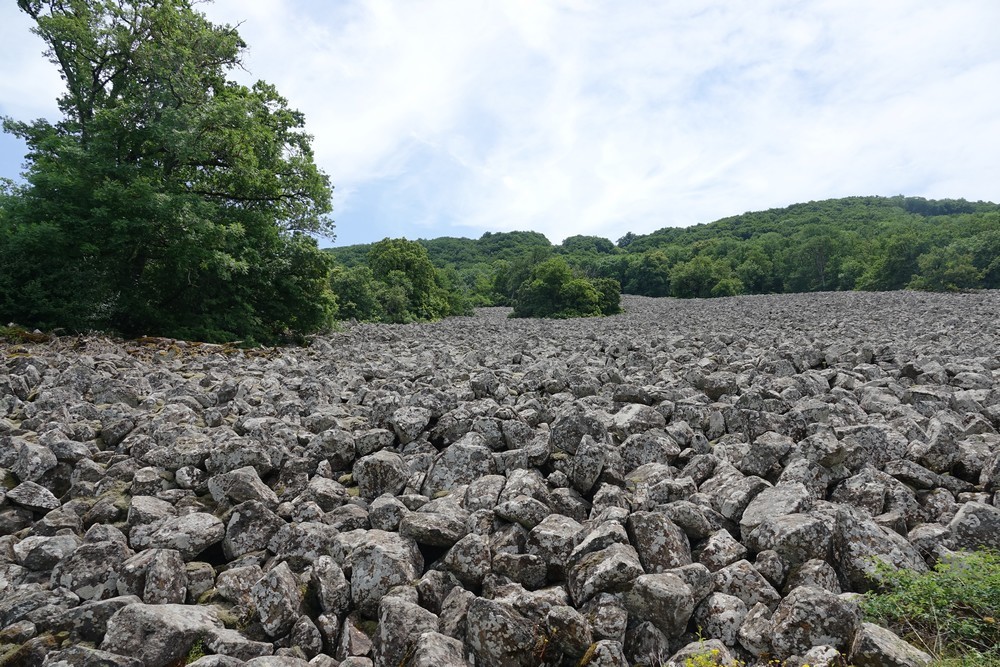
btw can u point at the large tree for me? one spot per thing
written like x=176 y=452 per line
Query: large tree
x=167 y=199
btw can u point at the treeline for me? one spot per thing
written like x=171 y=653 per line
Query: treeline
x=395 y=281
x=854 y=243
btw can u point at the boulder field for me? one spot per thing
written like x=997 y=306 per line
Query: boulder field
x=705 y=475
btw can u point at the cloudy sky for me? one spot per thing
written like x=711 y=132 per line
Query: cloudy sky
x=456 y=117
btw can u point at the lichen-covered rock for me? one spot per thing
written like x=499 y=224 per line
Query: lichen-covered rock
x=569 y=631
x=33 y=460
x=779 y=500
x=795 y=537
x=975 y=526
x=553 y=540
x=381 y=562
x=661 y=545
x=720 y=550
x=277 y=597
x=300 y=544
x=859 y=545
x=380 y=473
x=241 y=485
x=32 y=496
x=711 y=651
x=408 y=422
x=605 y=653
x=587 y=464
x=39 y=553
x=158 y=635
x=810 y=617
x=611 y=569
x=251 y=527
x=876 y=646
x=166 y=578
x=333 y=590
x=189 y=534
x=496 y=634
x=742 y=580
x=720 y=616
x=432 y=528
x=461 y=463
x=433 y=649
x=77 y=656
x=93 y=570
x=400 y=626
x=89 y=621
x=665 y=600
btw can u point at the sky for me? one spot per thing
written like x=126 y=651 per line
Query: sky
x=599 y=117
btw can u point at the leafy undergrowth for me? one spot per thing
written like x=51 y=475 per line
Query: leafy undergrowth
x=952 y=612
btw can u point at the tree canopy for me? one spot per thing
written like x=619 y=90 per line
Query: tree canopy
x=167 y=199
x=865 y=243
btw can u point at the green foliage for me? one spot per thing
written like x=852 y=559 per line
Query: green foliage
x=398 y=284
x=551 y=290
x=586 y=244
x=945 y=270
x=867 y=243
x=609 y=297
x=951 y=611
x=167 y=200
x=357 y=294
x=398 y=263
x=703 y=277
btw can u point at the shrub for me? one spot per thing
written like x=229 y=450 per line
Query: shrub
x=952 y=611
x=553 y=291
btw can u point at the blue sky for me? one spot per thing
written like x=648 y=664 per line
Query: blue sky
x=456 y=117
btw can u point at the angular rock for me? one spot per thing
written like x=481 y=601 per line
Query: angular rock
x=875 y=646
x=400 y=626
x=496 y=634
x=241 y=485
x=810 y=617
x=611 y=569
x=158 y=635
x=251 y=527
x=277 y=597
x=433 y=649
x=32 y=496
x=432 y=528
x=664 y=600
x=381 y=562
x=787 y=498
x=461 y=463
x=975 y=526
x=661 y=545
x=720 y=616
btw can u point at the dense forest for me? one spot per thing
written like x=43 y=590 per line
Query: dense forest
x=853 y=243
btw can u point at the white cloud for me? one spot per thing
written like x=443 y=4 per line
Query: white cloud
x=591 y=116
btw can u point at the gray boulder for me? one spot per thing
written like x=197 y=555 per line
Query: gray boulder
x=810 y=617
x=380 y=473
x=277 y=597
x=380 y=563
x=664 y=600
x=875 y=646
x=158 y=635
x=496 y=634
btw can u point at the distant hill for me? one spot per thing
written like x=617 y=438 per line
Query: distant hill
x=869 y=243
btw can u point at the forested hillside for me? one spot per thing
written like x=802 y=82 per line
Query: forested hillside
x=854 y=243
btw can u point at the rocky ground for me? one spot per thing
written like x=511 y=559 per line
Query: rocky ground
x=497 y=492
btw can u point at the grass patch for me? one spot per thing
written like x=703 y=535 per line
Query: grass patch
x=952 y=612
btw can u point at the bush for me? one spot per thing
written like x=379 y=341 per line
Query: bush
x=952 y=611
x=552 y=290
x=398 y=285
